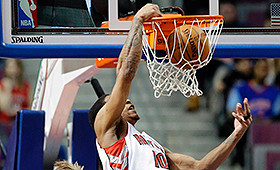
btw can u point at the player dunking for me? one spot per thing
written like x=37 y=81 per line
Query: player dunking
x=120 y=145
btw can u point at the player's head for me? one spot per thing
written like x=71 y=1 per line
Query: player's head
x=14 y=69
x=228 y=10
x=243 y=66
x=101 y=101
x=260 y=70
x=129 y=113
x=60 y=165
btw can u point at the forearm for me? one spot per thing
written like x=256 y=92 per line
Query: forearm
x=242 y=121
x=218 y=155
x=126 y=69
x=132 y=50
x=210 y=162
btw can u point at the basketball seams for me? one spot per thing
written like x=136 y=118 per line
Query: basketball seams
x=174 y=58
x=185 y=44
x=202 y=44
x=174 y=46
x=186 y=52
x=199 y=40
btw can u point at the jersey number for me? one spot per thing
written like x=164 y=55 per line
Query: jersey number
x=160 y=160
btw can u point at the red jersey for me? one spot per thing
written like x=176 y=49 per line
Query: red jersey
x=136 y=151
x=20 y=99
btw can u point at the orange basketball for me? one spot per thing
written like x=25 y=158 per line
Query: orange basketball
x=193 y=49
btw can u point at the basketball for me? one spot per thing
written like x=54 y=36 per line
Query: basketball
x=198 y=44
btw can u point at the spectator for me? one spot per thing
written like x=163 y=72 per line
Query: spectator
x=264 y=101
x=267 y=19
x=277 y=72
x=242 y=72
x=14 y=95
x=228 y=10
x=230 y=72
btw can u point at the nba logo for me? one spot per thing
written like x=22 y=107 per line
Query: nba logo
x=27 y=13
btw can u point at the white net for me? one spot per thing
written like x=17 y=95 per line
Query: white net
x=169 y=69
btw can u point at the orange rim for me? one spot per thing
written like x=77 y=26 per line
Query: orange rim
x=106 y=62
x=169 y=19
x=167 y=24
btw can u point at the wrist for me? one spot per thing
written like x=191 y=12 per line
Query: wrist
x=138 y=19
x=238 y=134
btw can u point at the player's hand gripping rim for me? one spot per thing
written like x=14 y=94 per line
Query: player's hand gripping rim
x=243 y=116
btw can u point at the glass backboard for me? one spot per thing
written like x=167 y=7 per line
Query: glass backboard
x=76 y=29
x=250 y=29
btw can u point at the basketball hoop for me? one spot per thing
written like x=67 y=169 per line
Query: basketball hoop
x=165 y=75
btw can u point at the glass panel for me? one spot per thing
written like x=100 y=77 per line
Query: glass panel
x=246 y=13
x=91 y=14
x=72 y=14
x=59 y=13
x=190 y=7
x=67 y=13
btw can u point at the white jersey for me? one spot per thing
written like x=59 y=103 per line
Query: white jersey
x=136 y=151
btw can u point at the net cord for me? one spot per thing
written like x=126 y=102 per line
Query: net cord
x=165 y=76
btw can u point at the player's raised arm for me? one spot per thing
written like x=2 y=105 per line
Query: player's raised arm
x=217 y=156
x=109 y=116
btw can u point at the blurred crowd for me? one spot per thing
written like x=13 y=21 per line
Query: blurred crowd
x=225 y=82
x=228 y=81
x=237 y=13
x=14 y=96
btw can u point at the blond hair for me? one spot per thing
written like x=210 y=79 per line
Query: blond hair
x=64 y=165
